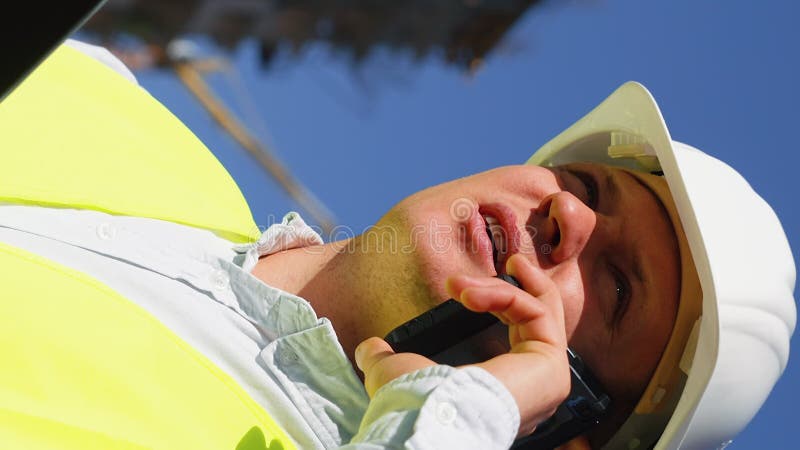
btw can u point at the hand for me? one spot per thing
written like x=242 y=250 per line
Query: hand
x=535 y=370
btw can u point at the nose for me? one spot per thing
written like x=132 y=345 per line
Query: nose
x=566 y=224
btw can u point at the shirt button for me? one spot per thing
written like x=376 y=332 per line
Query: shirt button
x=219 y=279
x=446 y=413
x=106 y=231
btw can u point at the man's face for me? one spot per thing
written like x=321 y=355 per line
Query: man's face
x=598 y=232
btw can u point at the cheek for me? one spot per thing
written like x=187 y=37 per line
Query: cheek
x=441 y=253
x=429 y=241
x=573 y=296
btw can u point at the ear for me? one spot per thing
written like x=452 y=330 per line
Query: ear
x=578 y=443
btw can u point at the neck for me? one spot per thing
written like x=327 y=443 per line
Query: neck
x=320 y=275
x=361 y=292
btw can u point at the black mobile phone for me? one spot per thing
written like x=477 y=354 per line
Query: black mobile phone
x=452 y=334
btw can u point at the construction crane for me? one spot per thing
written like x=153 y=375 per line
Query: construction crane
x=190 y=72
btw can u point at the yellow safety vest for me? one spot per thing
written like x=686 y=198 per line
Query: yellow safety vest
x=82 y=366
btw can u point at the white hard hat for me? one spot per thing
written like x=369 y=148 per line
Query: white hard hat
x=730 y=355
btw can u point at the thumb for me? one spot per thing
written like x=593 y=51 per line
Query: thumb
x=370 y=352
x=381 y=365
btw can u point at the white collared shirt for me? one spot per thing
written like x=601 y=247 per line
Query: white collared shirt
x=271 y=342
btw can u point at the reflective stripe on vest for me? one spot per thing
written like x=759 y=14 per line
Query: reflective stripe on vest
x=77 y=134
x=85 y=368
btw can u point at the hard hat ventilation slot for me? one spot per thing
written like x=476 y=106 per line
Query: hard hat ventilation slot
x=633 y=146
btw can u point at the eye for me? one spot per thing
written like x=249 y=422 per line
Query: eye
x=622 y=294
x=589 y=187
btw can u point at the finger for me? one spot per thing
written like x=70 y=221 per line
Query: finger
x=539 y=284
x=523 y=312
x=532 y=279
x=381 y=364
x=458 y=283
x=510 y=304
x=370 y=352
x=528 y=318
x=497 y=292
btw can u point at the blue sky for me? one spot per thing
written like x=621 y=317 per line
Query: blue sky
x=725 y=75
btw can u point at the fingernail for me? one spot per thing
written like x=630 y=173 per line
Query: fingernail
x=359 y=351
x=510 y=264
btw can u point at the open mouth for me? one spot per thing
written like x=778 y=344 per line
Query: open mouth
x=497 y=236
